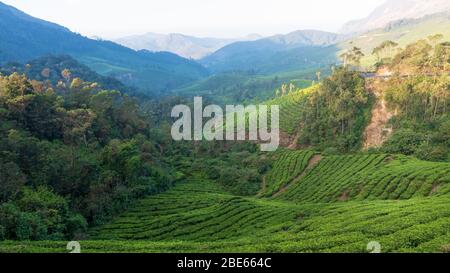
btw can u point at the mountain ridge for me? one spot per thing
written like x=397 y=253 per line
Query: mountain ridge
x=265 y=55
x=394 y=10
x=153 y=72
x=186 y=46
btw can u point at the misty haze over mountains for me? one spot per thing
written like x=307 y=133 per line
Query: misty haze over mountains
x=183 y=45
x=198 y=48
x=159 y=62
x=295 y=50
x=36 y=38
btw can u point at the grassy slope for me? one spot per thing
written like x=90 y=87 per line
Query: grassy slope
x=289 y=105
x=286 y=167
x=404 y=205
x=402 y=34
x=238 y=87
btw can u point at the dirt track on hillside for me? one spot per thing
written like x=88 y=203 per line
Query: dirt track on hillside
x=377 y=132
x=311 y=164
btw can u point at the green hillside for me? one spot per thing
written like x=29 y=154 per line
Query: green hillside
x=51 y=68
x=152 y=72
x=240 y=87
x=402 y=32
x=370 y=177
x=363 y=157
x=303 y=49
x=404 y=206
x=290 y=107
x=288 y=166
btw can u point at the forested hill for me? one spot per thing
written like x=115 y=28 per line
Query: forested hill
x=412 y=85
x=35 y=38
x=57 y=69
x=72 y=155
x=294 y=51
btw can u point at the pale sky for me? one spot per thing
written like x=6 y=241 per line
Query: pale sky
x=216 y=18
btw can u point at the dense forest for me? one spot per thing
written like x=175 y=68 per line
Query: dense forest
x=72 y=155
x=419 y=92
x=335 y=116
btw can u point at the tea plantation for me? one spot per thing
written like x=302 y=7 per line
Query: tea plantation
x=339 y=205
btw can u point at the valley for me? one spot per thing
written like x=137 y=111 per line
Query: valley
x=88 y=152
x=311 y=216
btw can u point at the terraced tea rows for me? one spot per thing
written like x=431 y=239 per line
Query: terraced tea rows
x=206 y=218
x=287 y=166
x=289 y=108
x=416 y=225
x=400 y=202
x=195 y=211
x=369 y=177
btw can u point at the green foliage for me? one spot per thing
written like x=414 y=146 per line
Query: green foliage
x=369 y=177
x=12 y=179
x=421 y=100
x=287 y=167
x=400 y=205
x=237 y=167
x=399 y=201
x=331 y=114
x=336 y=113
x=404 y=141
x=73 y=155
x=290 y=108
x=352 y=57
x=242 y=87
x=51 y=68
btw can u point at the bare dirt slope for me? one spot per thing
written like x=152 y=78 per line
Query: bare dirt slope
x=377 y=132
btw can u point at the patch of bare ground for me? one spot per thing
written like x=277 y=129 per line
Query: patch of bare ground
x=285 y=139
x=434 y=189
x=294 y=143
x=389 y=159
x=377 y=132
x=311 y=164
x=345 y=196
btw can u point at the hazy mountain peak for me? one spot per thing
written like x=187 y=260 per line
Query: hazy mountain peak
x=307 y=37
x=181 y=44
x=393 y=10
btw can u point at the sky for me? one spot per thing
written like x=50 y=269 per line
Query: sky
x=203 y=18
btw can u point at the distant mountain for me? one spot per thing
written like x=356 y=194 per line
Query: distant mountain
x=182 y=45
x=394 y=10
x=297 y=50
x=23 y=37
x=306 y=38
